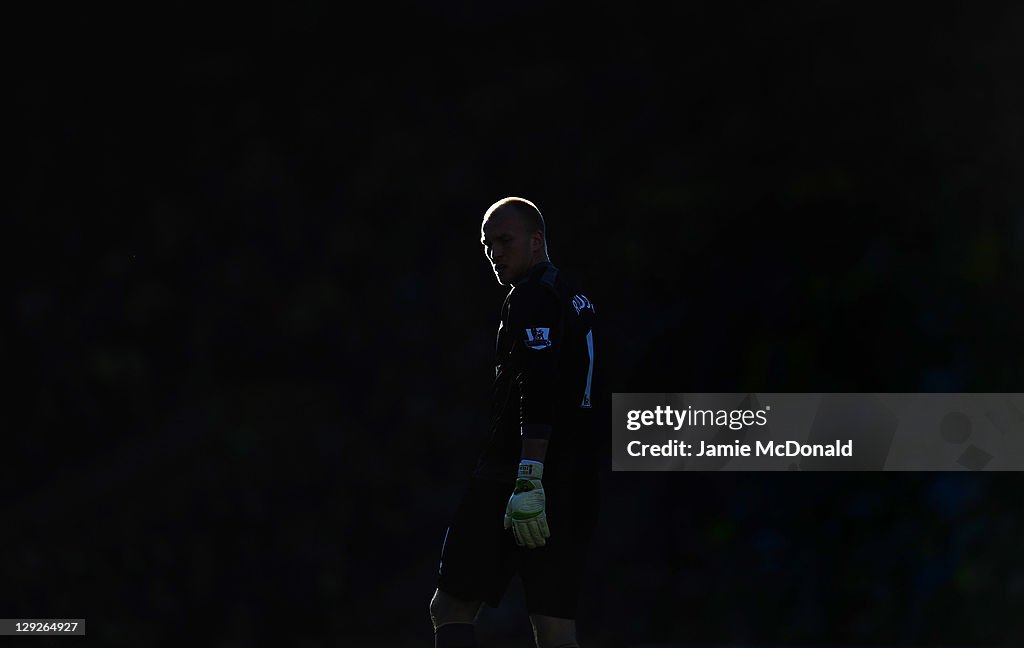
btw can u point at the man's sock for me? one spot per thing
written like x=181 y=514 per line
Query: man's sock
x=454 y=635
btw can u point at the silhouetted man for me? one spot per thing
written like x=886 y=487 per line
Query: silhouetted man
x=538 y=467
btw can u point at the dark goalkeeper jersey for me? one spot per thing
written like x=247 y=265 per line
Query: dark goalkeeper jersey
x=544 y=378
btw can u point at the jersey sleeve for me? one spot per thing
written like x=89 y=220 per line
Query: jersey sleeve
x=535 y=321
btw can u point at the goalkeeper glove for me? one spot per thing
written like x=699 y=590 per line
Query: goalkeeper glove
x=525 y=509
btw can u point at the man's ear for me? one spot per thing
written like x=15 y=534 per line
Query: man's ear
x=536 y=241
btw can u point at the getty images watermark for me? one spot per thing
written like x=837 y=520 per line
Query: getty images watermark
x=786 y=431
x=735 y=419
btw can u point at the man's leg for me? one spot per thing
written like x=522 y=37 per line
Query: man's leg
x=553 y=574
x=454 y=620
x=476 y=564
x=553 y=632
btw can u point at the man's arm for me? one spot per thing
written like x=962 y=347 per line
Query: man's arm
x=537 y=323
x=534 y=318
x=535 y=449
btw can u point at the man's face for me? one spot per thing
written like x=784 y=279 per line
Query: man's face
x=508 y=245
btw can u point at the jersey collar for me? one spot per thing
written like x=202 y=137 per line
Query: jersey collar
x=535 y=271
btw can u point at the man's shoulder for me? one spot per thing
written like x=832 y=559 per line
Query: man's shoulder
x=540 y=284
x=532 y=296
x=548 y=284
x=547 y=278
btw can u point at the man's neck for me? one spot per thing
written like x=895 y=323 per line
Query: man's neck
x=527 y=274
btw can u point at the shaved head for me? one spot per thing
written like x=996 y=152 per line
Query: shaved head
x=522 y=208
x=514 y=238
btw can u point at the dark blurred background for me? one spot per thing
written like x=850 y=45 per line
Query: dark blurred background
x=249 y=327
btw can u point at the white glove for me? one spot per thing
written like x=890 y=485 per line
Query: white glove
x=525 y=509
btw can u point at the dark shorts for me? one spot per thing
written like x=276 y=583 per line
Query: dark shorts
x=479 y=557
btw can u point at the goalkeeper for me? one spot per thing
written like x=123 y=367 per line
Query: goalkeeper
x=530 y=506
